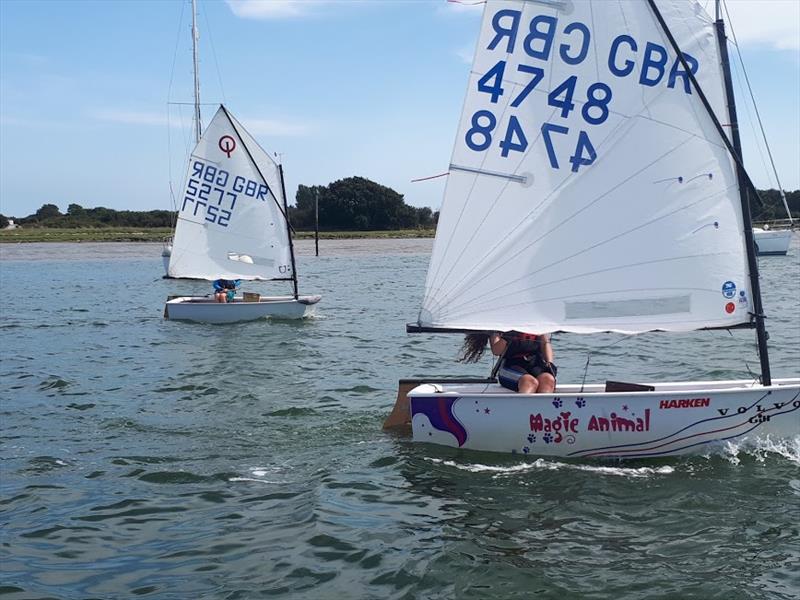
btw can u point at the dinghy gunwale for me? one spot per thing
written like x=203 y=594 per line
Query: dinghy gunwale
x=238 y=300
x=591 y=390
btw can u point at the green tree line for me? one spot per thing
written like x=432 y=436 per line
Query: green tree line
x=357 y=204
x=771 y=207
x=77 y=217
x=351 y=204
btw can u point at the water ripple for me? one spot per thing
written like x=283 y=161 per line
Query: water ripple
x=248 y=461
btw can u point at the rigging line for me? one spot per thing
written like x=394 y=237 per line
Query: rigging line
x=756 y=378
x=186 y=153
x=431 y=177
x=585 y=370
x=214 y=54
x=589 y=355
x=169 y=129
x=755 y=107
x=173 y=217
x=175 y=53
x=576 y=213
x=751 y=122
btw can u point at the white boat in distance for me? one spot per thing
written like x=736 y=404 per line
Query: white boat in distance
x=206 y=310
x=233 y=224
x=772 y=242
x=593 y=188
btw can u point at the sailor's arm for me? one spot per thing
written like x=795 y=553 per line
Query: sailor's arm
x=547 y=348
x=497 y=343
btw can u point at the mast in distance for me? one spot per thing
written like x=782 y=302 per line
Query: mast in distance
x=195 y=38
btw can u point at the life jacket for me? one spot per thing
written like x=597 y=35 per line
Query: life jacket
x=225 y=284
x=525 y=347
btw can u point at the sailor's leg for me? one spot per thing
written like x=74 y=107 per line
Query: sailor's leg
x=547 y=383
x=514 y=378
x=528 y=384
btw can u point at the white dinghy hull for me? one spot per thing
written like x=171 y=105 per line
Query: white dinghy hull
x=772 y=242
x=674 y=419
x=203 y=309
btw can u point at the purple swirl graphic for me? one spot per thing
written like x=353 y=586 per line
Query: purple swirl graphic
x=440 y=413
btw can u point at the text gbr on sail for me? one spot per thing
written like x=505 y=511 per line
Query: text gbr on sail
x=622 y=55
x=209 y=189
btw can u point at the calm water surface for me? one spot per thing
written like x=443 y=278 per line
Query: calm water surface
x=151 y=458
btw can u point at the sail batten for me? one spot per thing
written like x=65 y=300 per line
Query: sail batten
x=586 y=164
x=230 y=223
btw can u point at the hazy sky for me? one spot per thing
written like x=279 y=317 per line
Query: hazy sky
x=370 y=88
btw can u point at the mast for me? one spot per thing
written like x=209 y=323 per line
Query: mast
x=752 y=261
x=195 y=38
x=288 y=230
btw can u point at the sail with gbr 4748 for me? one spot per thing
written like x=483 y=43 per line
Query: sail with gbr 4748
x=593 y=187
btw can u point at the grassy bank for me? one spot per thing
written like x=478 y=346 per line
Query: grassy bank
x=106 y=234
x=157 y=234
x=349 y=235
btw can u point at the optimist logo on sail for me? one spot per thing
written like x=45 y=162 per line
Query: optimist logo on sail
x=227 y=144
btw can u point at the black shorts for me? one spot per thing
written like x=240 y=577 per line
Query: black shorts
x=510 y=373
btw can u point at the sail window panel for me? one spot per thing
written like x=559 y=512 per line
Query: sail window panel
x=644 y=307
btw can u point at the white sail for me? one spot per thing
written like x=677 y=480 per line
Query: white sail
x=589 y=189
x=231 y=223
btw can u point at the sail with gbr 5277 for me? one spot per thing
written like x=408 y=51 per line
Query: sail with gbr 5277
x=589 y=189
x=230 y=222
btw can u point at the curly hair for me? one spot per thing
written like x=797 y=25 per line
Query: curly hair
x=474 y=345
